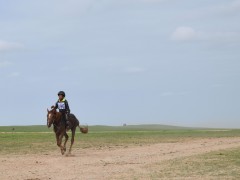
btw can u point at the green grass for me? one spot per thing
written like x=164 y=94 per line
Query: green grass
x=215 y=165
x=147 y=127
x=42 y=128
x=224 y=164
x=40 y=139
x=36 y=128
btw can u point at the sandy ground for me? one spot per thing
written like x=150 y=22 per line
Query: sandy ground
x=112 y=163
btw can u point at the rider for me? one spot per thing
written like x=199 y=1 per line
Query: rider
x=62 y=105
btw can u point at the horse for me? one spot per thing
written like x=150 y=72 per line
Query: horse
x=55 y=118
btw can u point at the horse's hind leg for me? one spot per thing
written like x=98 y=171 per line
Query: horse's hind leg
x=72 y=139
x=66 y=139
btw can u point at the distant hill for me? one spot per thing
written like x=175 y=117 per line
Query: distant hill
x=43 y=128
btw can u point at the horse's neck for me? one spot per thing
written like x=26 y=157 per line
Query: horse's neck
x=58 y=116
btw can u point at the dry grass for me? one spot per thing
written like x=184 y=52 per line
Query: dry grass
x=224 y=164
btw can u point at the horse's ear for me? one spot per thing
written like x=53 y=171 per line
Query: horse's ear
x=47 y=110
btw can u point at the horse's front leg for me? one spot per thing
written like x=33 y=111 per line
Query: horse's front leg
x=66 y=139
x=59 y=143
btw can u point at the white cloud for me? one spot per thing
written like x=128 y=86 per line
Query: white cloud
x=5 y=64
x=6 y=46
x=189 y=34
x=14 y=74
x=184 y=34
x=134 y=70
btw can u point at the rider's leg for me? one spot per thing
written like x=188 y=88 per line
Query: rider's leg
x=63 y=119
x=68 y=123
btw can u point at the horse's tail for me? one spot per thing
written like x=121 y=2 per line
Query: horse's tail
x=83 y=130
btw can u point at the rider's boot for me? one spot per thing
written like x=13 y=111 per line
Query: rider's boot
x=68 y=123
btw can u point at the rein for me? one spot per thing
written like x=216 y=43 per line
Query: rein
x=53 y=122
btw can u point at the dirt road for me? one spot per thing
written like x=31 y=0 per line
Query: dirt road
x=112 y=163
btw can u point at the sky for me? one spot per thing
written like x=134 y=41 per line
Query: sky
x=131 y=61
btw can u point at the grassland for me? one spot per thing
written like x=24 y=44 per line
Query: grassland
x=224 y=164
x=103 y=140
x=40 y=139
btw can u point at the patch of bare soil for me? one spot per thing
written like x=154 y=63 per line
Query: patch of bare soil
x=112 y=163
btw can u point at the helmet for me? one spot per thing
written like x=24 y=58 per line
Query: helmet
x=61 y=93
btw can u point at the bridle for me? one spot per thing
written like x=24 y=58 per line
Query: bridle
x=52 y=116
x=53 y=120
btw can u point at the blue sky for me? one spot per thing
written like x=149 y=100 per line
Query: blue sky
x=130 y=61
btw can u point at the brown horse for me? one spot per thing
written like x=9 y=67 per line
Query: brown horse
x=54 y=117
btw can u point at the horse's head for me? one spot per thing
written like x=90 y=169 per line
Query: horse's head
x=51 y=117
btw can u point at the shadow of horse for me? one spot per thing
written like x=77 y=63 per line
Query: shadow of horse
x=55 y=118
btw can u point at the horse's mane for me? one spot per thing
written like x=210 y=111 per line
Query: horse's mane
x=56 y=113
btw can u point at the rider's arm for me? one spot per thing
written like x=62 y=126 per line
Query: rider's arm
x=67 y=107
x=55 y=107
